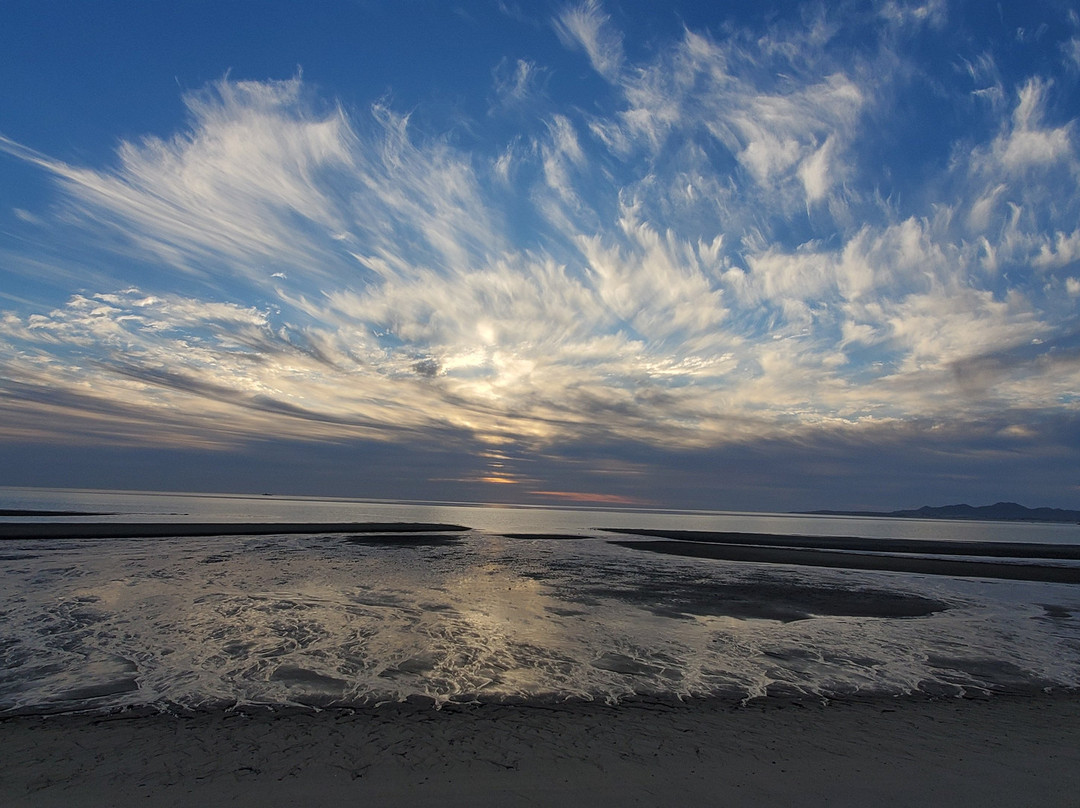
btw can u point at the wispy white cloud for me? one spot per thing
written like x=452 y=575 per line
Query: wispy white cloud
x=586 y=26
x=934 y=12
x=789 y=134
x=1062 y=251
x=204 y=195
x=1028 y=144
x=515 y=84
x=1071 y=52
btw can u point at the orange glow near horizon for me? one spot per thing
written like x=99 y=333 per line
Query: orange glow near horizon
x=581 y=496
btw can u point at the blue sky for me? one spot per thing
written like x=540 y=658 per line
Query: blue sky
x=727 y=255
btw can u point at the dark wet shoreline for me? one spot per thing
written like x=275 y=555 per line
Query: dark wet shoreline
x=151 y=530
x=26 y=512
x=989 y=549
x=839 y=559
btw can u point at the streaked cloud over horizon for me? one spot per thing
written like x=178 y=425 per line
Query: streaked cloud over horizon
x=855 y=227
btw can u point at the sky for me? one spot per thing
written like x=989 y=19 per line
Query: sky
x=722 y=255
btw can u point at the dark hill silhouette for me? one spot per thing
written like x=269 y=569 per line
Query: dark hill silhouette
x=999 y=511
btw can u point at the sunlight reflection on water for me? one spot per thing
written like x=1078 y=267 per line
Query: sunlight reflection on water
x=331 y=619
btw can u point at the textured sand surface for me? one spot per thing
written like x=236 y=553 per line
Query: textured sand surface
x=1002 y=751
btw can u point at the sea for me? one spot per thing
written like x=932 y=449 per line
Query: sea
x=523 y=604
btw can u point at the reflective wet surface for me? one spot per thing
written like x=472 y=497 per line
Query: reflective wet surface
x=338 y=619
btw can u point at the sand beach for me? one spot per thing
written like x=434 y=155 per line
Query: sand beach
x=1001 y=751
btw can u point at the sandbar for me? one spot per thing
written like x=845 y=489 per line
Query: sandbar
x=148 y=530
x=989 y=549
x=861 y=561
x=30 y=512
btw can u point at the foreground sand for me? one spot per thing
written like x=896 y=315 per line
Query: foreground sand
x=1005 y=751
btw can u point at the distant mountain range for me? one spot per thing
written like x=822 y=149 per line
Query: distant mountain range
x=1000 y=511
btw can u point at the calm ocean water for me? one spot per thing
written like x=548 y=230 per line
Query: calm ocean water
x=340 y=619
